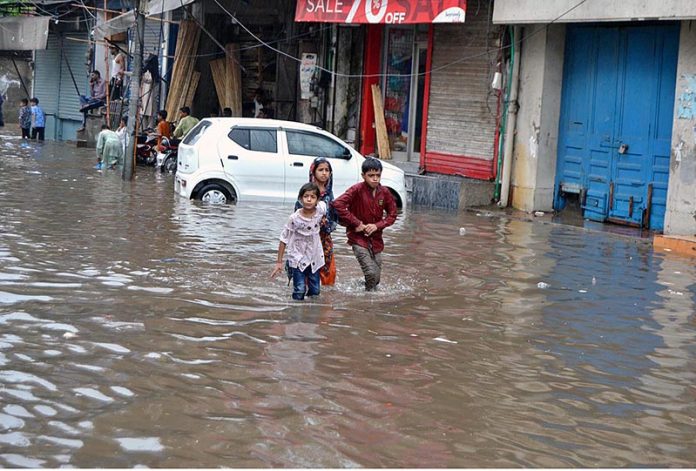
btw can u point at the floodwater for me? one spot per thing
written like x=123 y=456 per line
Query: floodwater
x=139 y=329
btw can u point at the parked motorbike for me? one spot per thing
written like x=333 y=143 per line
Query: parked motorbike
x=146 y=149
x=167 y=157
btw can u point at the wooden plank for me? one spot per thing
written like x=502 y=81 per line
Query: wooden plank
x=218 y=71
x=184 y=61
x=234 y=79
x=383 y=148
x=191 y=92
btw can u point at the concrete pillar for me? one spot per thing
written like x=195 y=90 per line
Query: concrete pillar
x=680 y=217
x=536 y=139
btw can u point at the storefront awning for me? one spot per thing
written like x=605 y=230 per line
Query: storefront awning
x=23 y=33
x=381 y=11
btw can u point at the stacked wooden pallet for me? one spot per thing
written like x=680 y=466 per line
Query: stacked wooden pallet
x=184 y=79
x=227 y=77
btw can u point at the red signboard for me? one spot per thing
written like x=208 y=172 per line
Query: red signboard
x=381 y=11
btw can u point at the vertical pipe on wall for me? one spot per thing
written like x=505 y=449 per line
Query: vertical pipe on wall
x=511 y=120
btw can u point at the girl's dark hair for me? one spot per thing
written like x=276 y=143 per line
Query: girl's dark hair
x=308 y=187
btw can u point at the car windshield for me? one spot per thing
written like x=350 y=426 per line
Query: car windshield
x=196 y=133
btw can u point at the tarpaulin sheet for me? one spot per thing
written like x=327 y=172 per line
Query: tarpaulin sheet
x=381 y=11
x=122 y=22
x=23 y=33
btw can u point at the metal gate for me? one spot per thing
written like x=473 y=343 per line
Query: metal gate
x=616 y=121
x=54 y=87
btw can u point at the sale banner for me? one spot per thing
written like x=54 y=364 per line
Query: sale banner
x=381 y=11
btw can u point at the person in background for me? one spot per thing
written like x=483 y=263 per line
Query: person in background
x=321 y=174
x=305 y=256
x=259 y=100
x=25 y=118
x=227 y=113
x=122 y=133
x=109 y=148
x=97 y=95
x=186 y=122
x=362 y=210
x=118 y=70
x=38 y=120
x=163 y=128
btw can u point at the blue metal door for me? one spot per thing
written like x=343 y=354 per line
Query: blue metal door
x=616 y=121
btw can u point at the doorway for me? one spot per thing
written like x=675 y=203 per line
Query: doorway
x=405 y=58
x=616 y=121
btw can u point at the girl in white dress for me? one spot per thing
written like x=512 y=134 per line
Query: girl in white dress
x=300 y=239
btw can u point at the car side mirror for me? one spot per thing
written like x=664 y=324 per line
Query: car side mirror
x=346 y=154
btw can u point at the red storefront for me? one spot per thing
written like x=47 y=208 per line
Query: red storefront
x=434 y=72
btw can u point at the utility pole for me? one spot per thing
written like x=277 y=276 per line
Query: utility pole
x=134 y=100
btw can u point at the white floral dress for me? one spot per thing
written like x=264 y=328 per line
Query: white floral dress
x=302 y=241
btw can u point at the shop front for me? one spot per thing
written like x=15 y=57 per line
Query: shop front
x=438 y=110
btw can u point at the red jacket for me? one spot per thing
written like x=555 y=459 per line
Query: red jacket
x=357 y=205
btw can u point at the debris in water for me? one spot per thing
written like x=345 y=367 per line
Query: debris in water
x=582 y=291
x=542 y=285
x=444 y=340
x=538 y=213
x=462 y=230
x=69 y=335
x=594 y=281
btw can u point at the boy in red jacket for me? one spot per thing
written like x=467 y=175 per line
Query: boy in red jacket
x=362 y=210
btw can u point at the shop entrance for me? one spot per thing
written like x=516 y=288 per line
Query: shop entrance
x=405 y=53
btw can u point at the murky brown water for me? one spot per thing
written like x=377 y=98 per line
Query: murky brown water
x=140 y=329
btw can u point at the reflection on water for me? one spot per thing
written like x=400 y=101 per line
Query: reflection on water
x=137 y=329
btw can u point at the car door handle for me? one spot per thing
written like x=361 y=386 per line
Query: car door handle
x=232 y=157
x=297 y=164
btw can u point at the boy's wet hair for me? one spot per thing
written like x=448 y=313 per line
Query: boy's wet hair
x=371 y=164
x=24 y=101
x=34 y=100
x=308 y=187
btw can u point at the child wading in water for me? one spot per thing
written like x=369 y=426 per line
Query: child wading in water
x=365 y=209
x=301 y=238
x=320 y=172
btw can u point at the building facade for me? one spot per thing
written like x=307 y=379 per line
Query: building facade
x=607 y=109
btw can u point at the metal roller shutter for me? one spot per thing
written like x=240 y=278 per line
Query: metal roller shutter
x=461 y=111
x=47 y=81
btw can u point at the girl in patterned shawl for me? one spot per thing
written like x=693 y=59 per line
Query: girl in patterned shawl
x=321 y=174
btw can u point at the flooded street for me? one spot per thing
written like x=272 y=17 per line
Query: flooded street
x=140 y=329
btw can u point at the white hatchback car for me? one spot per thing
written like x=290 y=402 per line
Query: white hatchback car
x=225 y=160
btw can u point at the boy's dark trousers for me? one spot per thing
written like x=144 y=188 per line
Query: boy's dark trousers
x=26 y=133
x=37 y=133
x=371 y=265
x=300 y=280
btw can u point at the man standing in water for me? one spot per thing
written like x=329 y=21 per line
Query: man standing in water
x=362 y=210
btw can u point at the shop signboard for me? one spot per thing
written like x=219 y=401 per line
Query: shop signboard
x=381 y=11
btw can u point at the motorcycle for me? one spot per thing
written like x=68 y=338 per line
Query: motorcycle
x=167 y=156
x=146 y=149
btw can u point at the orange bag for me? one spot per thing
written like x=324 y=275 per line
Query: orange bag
x=327 y=273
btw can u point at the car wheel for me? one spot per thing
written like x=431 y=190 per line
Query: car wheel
x=169 y=164
x=214 y=193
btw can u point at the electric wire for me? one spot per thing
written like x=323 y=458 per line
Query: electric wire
x=435 y=69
